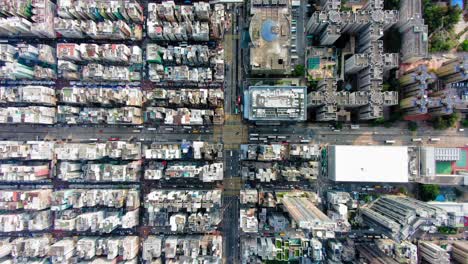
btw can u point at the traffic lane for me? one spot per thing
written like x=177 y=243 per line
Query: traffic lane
x=231 y=163
x=103 y=136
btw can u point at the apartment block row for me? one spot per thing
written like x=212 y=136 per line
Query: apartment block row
x=89 y=162
x=82 y=62
x=195 y=63
x=125 y=106
x=206 y=248
x=94 y=210
x=201 y=21
x=117 y=249
x=122 y=20
x=103 y=210
x=26 y=61
x=27 y=18
x=206 y=98
x=278 y=152
x=47 y=150
x=123 y=150
x=196 y=211
x=277 y=171
x=114 y=249
x=184 y=170
x=109 y=96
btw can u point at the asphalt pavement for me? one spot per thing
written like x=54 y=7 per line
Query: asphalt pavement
x=365 y=135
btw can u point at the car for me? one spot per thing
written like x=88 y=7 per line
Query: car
x=114 y=139
x=238 y=100
x=461 y=129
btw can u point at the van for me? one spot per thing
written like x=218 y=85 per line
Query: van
x=254 y=135
x=305 y=141
x=416 y=139
x=390 y=141
x=253 y=139
x=435 y=139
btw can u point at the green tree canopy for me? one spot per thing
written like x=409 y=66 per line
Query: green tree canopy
x=412 y=126
x=429 y=192
x=299 y=70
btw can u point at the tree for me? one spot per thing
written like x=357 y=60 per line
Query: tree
x=429 y=192
x=464 y=123
x=464 y=45
x=339 y=125
x=453 y=119
x=379 y=121
x=299 y=70
x=403 y=190
x=412 y=126
x=391 y=4
x=445 y=122
x=313 y=85
x=442 y=41
x=440 y=17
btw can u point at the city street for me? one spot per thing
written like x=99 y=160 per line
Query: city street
x=80 y=133
x=365 y=135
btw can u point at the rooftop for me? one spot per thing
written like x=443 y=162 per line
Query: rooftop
x=270 y=34
x=276 y=103
x=368 y=163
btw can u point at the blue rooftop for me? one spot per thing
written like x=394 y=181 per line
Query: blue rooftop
x=267 y=32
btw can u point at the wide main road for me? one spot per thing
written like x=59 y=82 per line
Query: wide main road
x=83 y=133
x=365 y=135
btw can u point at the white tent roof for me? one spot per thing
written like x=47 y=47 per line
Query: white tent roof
x=369 y=163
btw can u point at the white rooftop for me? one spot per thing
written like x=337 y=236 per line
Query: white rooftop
x=368 y=163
